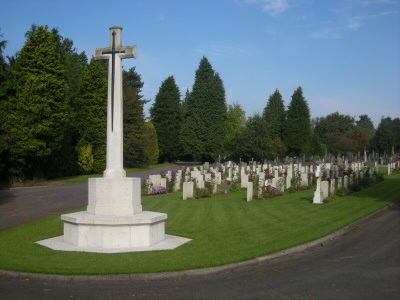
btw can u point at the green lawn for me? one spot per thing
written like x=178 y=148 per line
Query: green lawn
x=224 y=229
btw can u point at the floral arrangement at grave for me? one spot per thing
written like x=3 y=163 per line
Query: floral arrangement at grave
x=159 y=190
x=268 y=191
x=285 y=172
x=255 y=179
x=311 y=178
x=170 y=180
x=268 y=174
x=234 y=183
x=205 y=192
x=296 y=180
x=323 y=171
x=147 y=187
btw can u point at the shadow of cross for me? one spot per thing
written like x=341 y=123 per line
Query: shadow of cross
x=115 y=53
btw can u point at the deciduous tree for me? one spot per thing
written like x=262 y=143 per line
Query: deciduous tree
x=235 y=126
x=384 y=139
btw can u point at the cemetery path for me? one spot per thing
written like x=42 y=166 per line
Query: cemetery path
x=22 y=205
x=362 y=264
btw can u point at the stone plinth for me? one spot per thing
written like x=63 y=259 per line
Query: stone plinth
x=114 y=196
x=144 y=229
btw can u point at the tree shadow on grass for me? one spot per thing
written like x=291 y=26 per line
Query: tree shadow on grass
x=310 y=200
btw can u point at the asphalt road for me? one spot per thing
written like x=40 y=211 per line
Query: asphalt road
x=23 y=205
x=362 y=264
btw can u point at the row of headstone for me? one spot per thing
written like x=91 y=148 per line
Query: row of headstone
x=277 y=176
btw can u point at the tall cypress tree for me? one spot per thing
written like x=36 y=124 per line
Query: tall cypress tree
x=217 y=119
x=91 y=113
x=39 y=110
x=134 y=120
x=204 y=115
x=274 y=114
x=297 y=127
x=166 y=116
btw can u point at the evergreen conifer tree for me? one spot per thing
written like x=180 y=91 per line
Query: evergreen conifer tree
x=274 y=114
x=166 y=116
x=134 y=120
x=91 y=113
x=39 y=110
x=203 y=127
x=297 y=127
x=151 y=152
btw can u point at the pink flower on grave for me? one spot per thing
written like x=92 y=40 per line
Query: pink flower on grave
x=160 y=190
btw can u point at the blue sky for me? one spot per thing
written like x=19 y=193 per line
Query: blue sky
x=344 y=53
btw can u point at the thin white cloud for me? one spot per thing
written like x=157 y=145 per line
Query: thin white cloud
x=273 y=7
x=223 y=50
x=355 y=22
x=371 y=2
x=326 y=33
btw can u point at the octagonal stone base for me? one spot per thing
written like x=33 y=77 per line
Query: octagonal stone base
x=139 y=230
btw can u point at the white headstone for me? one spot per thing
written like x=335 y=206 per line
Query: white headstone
x=249 y=191
x=318 y=197
x=187 y=190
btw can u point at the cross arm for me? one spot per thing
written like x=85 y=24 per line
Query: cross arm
x=123 y=52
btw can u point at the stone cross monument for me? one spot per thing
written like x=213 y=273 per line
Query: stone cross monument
x=114 y=218
x=115 y=53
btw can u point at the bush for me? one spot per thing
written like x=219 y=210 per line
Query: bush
x=341 y=192
x=354 y=187
x=85 y=158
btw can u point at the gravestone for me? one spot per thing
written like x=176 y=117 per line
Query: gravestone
x=187 y=190
x=304 y=179
x=224 y=187
x=249 y=191
x=318 y=196
x=245 y=180
x=332 y=187
x=325 y=189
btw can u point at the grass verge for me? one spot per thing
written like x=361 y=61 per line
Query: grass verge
x=224 y=229
x=71 y=179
